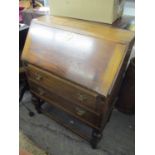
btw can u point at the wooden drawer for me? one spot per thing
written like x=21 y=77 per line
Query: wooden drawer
x=84 y=115
x=63 y=88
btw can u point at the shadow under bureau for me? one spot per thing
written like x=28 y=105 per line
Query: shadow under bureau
x=75 y=67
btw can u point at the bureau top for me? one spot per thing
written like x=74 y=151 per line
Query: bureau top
x=86 y=53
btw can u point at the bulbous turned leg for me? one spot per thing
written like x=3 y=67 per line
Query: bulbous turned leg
x=37 y=103
x=96 y=137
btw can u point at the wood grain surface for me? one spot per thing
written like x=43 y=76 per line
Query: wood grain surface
x=88 y=54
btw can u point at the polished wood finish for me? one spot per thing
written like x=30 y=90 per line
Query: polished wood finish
x=93 y=52
x=94 y=29
x=77 y=67
x=69 y=90
x=58 y=101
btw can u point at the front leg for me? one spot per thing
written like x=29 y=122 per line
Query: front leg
x=37 y=103
x=96 y=137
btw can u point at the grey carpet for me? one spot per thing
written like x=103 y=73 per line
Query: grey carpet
x=118 y=135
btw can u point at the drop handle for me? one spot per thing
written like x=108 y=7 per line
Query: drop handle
x=38 y=77
x=80 y=111
x=81 y=97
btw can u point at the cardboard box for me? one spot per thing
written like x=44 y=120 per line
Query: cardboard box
x=106 y=11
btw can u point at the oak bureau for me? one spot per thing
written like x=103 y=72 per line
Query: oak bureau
x=76 y=67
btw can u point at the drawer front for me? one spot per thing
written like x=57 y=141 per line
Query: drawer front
x=63 y=88
x=86 y=116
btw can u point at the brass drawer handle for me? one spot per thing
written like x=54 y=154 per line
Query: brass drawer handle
x=80 y=111
x=81 y=97
x=41 y=92
x=38 y=77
